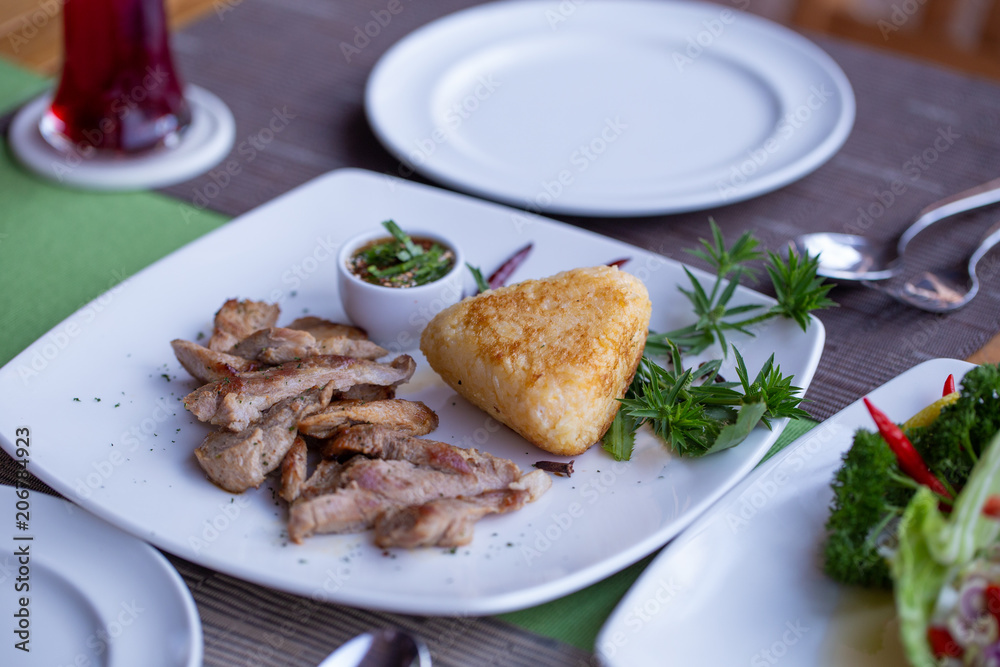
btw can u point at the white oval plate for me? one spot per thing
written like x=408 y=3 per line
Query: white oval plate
x=129 y=456
x=96 y=596
x=624 y=107
x=745 y=585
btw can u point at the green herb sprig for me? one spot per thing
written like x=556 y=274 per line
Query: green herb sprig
x=691 y=410
x=798 y=290
x=696 y=414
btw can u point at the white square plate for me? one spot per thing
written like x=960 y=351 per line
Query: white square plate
x=101 y=393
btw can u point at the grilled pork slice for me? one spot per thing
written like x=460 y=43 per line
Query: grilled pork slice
x=325 y=479
x=207 y=365
x=277 y=345
x=236 y=402
x=380 y=442
x=238 y=319
x=343 y=511
x=239 y=461
x=321 y=328
x=350 y=347
x=411 y=417
x=367 y=392
x=548 y=358
x=370 y=487
x=293 y=470
x=449 y=522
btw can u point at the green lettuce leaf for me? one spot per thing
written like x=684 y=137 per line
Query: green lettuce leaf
x=932 y=546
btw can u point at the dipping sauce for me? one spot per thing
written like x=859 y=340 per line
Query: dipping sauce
x=400 y=260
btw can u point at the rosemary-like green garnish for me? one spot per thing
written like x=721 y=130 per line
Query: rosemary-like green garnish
x=691 y=410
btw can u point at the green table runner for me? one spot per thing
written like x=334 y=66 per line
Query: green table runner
x=17 y=85
x=61 y=248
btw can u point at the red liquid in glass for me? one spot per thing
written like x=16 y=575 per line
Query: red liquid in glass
x=118 y=90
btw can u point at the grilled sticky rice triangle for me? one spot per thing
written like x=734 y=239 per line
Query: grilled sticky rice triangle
x=549 y=358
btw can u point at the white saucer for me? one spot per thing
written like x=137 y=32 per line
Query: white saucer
x=95 y=595
x=203 y=144
x=623 y=107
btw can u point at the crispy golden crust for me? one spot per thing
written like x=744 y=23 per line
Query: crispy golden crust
x=547 y=357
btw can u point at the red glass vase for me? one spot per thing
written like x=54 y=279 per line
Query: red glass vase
x=119 y=90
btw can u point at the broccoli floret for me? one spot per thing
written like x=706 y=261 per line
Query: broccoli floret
x=965 y=426
x=865 y=497
x=870 y=490
x=981 y=396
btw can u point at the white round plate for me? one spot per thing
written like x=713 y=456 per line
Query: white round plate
x=624 y=107
x=94 y=595
x=202 y=145
x=744 y=584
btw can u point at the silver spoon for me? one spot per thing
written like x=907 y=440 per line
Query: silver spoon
x=389 y=647
x=941 y=291
x=849 y=257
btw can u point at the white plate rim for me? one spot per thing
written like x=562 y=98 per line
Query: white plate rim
x=496 y=603
x=455 y=175
x=883 y=395
x=117 y=549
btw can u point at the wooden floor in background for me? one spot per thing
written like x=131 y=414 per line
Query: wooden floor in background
x=31 y=30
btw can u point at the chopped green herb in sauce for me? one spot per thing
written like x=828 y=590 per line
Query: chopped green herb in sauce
x=401 y=261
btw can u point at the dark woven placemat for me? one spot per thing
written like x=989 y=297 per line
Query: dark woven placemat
x=931 y=131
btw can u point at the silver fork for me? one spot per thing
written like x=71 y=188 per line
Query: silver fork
x=942 y=290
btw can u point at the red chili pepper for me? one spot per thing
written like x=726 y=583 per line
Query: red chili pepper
x=909 y=458
x=949 y=386
x=942 y=643
x=500 y=276
x=620 y=262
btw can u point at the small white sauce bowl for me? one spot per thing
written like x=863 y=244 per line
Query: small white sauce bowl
x=395 y=316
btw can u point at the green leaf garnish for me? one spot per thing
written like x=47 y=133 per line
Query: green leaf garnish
x=688 y=409
x=477 y=274
x=798 y=290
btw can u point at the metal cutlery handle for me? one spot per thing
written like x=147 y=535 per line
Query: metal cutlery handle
x=967 y=200
x=991 y=240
